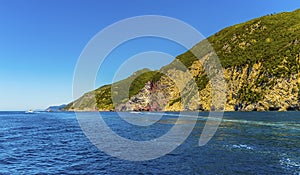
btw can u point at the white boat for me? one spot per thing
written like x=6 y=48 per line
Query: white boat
x=29 y=111
x=135 y=112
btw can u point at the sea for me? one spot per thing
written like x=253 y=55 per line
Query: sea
x=244 y=143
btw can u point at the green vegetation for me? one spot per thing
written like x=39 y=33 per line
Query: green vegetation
x=175 y=101
x=187 y=58
x=103 y=97
x=273 y=40
x=247 y=94
x=201 y=81
x=141 y=80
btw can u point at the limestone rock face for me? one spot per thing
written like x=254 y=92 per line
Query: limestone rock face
x=150 y=98
x=276 y=94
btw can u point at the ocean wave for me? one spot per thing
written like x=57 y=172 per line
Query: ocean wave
x=290 y=164
x=240 y=146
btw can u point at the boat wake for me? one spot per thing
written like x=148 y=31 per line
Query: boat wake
x=283 y=125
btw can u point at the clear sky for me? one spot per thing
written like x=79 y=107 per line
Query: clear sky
x=41 y=40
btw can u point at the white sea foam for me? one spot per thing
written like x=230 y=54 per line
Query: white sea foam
x=242 y=146
x=289 y=163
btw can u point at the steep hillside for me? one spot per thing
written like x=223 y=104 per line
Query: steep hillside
x=261 y=62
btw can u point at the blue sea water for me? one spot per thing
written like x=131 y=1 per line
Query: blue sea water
x=245 y=143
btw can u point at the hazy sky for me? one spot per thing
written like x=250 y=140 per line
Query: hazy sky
x=41 y=40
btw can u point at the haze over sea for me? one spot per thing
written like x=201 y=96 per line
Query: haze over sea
x=245 y=143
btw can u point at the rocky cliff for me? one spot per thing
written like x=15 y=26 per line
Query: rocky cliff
x=260 y=60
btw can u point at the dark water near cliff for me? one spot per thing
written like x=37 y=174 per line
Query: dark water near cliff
x=245 y=143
